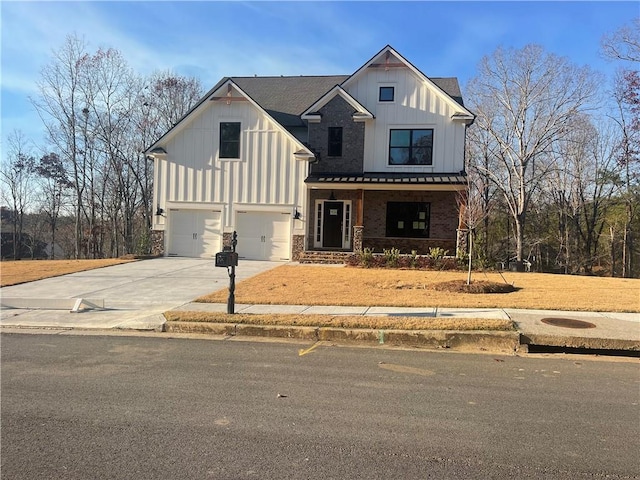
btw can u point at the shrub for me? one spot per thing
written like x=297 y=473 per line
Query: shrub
x=366 y=257
x=413 y=259
x=437 y=252
x=391 y=257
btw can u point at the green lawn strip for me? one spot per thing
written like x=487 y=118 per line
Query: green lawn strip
x=345 y=321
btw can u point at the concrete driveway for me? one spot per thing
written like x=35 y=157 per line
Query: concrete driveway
x=135 y=294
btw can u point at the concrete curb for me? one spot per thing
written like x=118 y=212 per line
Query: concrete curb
x=494 y=341
x=581 y=342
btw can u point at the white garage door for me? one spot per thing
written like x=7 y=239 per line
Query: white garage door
x=263 y=235
x=194 y=233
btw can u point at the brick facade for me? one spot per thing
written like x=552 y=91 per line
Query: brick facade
x=443 y=214
x=227 y=237
x=297 y=247
x=338 y=113
x=444 y=211
x=443 y=222
x=358 y=232
x=157 y=242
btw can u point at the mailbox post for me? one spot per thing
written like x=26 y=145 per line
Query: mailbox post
x=229 y=258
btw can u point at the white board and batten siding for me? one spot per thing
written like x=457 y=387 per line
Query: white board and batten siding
x=416 y=105
x=192 y=178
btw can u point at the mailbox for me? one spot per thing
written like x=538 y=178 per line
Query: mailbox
x=226 y=259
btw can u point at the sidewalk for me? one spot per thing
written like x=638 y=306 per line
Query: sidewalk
x=606 y=330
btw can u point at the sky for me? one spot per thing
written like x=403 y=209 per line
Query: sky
x=210 y=40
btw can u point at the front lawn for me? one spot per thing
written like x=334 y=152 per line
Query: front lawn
x=330 y=285
x=13 y=272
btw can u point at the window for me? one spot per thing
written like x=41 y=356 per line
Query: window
x=411 y=147
x=335 y=142
x=386 y=94
x=229 y=139
x=408 y=219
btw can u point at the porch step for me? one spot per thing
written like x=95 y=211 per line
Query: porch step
x=323 y=257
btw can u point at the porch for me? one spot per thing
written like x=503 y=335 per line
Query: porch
x=410 y=218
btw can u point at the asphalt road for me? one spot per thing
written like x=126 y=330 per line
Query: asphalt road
x=99 y=407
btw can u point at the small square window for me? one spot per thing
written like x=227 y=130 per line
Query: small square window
x=387 y=94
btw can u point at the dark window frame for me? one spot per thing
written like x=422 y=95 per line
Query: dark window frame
x=411 y=149
x=334 y=142
x=403 y=219
x=384 y=98
x=230 y=147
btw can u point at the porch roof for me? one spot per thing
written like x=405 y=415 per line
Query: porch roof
x=386 y=179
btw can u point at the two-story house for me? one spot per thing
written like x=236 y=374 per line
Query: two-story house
x=293 y=164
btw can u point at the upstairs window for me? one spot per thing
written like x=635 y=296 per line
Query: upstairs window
x=387 y=94
x=408 y=219
x=229 y=139
x=334 y=149
x=411 y=147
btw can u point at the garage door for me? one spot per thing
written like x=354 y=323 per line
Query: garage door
x=263 y=235
x=194 y=233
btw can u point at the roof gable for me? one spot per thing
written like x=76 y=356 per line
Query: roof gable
x=361 y=111
x=228 y=91
x=446 y=88
x=286 y=98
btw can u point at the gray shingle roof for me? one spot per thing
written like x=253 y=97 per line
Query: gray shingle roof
x=285 y=98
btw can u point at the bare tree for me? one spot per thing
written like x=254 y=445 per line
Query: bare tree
x=169 y=97
x=164 y=100
x=482 y=192
x=54 y=183
x=474 y=211
x=624 y=43
x=63 y=109
x=526 y=100
x=591 y=160
x=114 y=89
x=100 y=116
x=17 y=179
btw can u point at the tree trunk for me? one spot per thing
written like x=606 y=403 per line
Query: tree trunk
x=613 y=250
x=470 y=256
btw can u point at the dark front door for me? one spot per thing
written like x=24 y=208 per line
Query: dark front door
x=332 y=225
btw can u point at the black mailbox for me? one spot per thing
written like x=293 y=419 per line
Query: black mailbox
x=226 y=259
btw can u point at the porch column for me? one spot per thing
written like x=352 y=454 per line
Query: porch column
x=358 y=229
x=359 y=207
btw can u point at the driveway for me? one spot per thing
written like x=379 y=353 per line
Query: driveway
x=135 y=294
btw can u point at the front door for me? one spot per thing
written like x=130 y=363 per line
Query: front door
x=332 y=224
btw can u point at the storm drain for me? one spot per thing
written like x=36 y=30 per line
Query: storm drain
x=567 y=322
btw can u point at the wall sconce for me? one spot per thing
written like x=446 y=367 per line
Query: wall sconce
x=159 y=212
x=296 y=214
x=332 y=196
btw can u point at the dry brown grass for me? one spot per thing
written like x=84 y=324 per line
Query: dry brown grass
x=317 y=285
x=345 y=321
x=21 y=271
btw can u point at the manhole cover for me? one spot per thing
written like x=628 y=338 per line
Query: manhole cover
x=567 y=323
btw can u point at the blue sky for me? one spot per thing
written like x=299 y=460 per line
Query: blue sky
x=210 y=40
